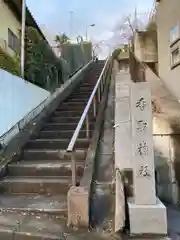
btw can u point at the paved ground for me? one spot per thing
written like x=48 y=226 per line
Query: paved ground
x=173 y=222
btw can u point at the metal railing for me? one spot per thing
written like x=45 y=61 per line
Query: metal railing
x=94 y=100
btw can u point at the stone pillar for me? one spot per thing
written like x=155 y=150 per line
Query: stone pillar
x=120 y=203
x=146 y=213
x=78 y=207
x=142 y=145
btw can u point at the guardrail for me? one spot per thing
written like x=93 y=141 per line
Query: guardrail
x=94 y=100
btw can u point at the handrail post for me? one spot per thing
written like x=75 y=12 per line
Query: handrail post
x=94 y=106
x=104 y=79
x=99 y=94
x=73 y=168
x=101 y=85
x=87 y=126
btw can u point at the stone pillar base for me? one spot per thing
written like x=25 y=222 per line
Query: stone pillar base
x=78 y=207
x=147 y=219
x=120 y=203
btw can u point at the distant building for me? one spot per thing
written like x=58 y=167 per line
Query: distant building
x=168 y=25
x=145 y=49
x=123 y=60
x=10 y=25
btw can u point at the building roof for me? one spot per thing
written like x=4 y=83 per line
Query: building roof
x=16 y=7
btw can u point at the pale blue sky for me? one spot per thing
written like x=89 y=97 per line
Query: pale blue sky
x=53 y=15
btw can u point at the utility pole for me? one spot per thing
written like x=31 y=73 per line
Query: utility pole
x=23 y=25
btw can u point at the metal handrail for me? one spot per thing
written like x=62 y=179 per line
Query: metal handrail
x=86 y=110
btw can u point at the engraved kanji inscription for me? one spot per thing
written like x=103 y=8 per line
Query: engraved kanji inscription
x=142 y=149
x=144 y=171
x=141 y=104
x=141 y=126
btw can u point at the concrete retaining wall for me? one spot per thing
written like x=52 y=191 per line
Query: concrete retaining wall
x=17 y=99
x=166 y=146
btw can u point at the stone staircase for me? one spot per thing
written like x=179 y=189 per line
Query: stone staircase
x=33 y=199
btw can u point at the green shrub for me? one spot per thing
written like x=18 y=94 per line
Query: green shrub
x=8 y=63
x=116 y=53
x=42 y=67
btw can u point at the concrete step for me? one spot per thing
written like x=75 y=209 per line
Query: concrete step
x=87 y=84
x=34 y=155
x=7 y=233
x=21 y=226
x=71 y=107
x=72 y=99
x=38 y=185
x=74 y=103
x=82 y=95
x=62 y=119
x=33 y=203
x=79 y=98
x=60 y=126
x=56 y=144
x=62 y=134
x=44 y=168
x=68 y=113
x=63 y=126
x=85 y=89
x=71 y=113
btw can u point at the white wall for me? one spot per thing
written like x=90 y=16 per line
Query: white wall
x=17 y=99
